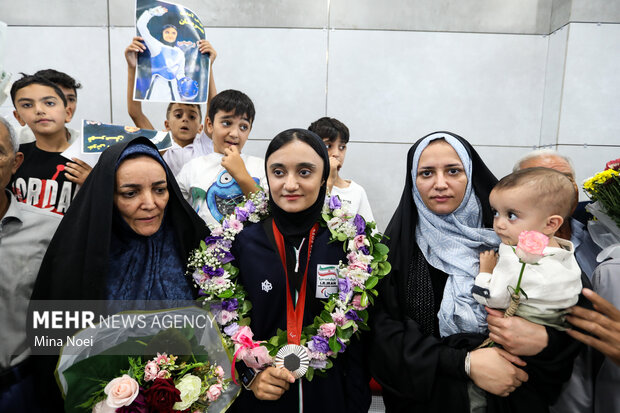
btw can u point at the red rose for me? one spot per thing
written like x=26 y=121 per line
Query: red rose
x=162 y=395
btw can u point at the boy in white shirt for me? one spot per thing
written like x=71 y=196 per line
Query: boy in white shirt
x=214 y=184
x=335 y=134
x=533 y=199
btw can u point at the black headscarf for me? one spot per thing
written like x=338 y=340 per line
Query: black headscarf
x=77 y=261
x=297 y=224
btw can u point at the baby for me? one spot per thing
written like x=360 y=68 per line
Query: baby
x=533 y=199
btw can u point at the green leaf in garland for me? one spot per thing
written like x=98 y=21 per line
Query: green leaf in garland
x=334 y=345
x=310 y=374
x=371 y=282
x=364 y=299
x=244 y=321
x=381 y=249
x=226 y=294
x=246 y=306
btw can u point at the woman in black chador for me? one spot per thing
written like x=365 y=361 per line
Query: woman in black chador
x=426 y=325
x=297 y=167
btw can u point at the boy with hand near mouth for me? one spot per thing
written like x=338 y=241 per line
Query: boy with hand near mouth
x=182 y=120
x=46 y=179
x=214 y=184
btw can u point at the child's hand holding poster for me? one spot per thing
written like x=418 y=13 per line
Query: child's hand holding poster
x=172 y=69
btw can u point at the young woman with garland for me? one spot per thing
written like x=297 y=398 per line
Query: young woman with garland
x=309 y=271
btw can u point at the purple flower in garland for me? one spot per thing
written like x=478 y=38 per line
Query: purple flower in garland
x=343 y=346
x=360 y=224
x=202 y=292
x=231 y=329
x=334 y=203
x=352 y=315
x=230 y=305
x=242 y=214
x=344 y=287
x=216 y=307
x=227 y=256
x=213 y=272
x=250 y=207
x=319 y=344
x=364 y=250
x=369 y=270
x=318 y=364
x=212 y=240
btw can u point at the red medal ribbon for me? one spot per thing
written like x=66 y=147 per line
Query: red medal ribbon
x=294 y=313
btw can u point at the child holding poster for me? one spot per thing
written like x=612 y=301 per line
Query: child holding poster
x=182 y=120
x=172 y=69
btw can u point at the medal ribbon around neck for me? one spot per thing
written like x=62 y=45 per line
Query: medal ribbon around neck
x=294 y=312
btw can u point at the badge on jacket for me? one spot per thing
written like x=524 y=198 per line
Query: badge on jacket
x=326 y=280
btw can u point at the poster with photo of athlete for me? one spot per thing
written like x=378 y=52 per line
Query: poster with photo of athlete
x=171 y=69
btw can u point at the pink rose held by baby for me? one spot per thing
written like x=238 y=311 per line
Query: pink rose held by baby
x=531 y=246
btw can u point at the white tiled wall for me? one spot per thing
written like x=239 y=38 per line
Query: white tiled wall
x=493 y=75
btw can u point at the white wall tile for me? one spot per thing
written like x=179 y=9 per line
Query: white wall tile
x=591 y=86
x=81 y=52
x=507 y=16
x=283 y=72
x=239 y=13
x=391 y=86
x=554 y=80
x=54 y=12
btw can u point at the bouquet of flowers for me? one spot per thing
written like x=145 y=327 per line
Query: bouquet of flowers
x=604 y=189
x=161 y=384
x=173 y=369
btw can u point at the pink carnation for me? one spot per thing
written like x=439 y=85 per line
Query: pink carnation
x=531 y=246
x=150 y=371
x=219 y=371
x=357 y=302
x=359 y=241
x=235 y=224
x=214 y=392
x=339 y=318
x=327 y=329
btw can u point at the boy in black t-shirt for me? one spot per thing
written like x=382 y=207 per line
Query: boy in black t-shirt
x=45 y=179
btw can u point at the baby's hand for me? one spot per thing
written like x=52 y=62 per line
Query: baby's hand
x=488 y=260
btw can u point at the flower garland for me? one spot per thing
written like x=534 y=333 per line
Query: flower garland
x=344 y=313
